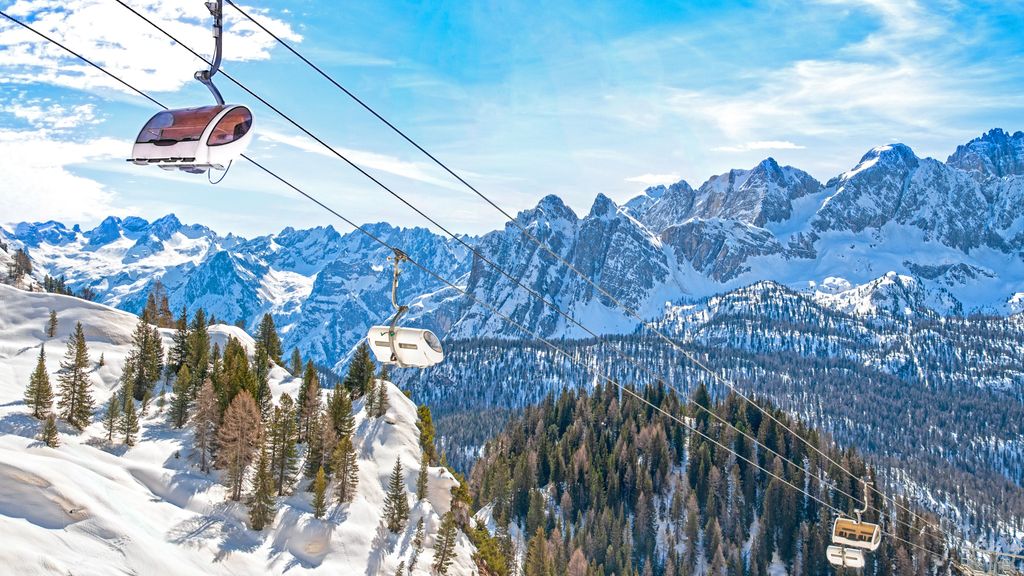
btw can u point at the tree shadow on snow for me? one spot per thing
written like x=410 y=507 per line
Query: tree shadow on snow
x=19 y=424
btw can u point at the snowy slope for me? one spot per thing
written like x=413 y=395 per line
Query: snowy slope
x=89 y=508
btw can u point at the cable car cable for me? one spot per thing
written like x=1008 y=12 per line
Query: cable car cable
x=476 y=300
x=525 y=232
x=501 y=271
x=487 y=260
x=497 y=312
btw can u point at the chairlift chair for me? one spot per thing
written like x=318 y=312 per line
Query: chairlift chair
x=400 y=346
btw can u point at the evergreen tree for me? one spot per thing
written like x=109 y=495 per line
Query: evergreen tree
x=49 y=435
x=425 y=423
x=283 y=435
x=417 y=545
x=322 y=441
x=400 y=571
x=309 y=400
x=182 y=398
x=346 y=469
x=360 y=372
x=267 y=335
x=444 y=545
x=371 y=400
x=75 y=404
x=129 y=421
x=382 y=403
x=239 y=435
x=112 y=418
x=39 y=393
x=51 y=325
x=340 y=409
x=320 y=493
x=396 y=502
x=198 y=358
x=537 y=563
x=179 y=350
x=262 y=506
x=421 y=479
x=261 y=376
x=296 y=362
x=204 y=421
x=145 y=361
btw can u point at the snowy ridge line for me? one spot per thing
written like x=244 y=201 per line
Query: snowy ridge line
x=518 y=282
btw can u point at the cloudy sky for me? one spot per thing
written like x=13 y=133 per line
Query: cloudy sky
x=524 y=99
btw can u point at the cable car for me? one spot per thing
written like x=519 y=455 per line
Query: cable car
x=852 y=533
x=405 y=347
x=194 y=139
x=845 y=557
x=197 y=140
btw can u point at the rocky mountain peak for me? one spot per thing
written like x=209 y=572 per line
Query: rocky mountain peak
x=995 y=154
x=603 y=207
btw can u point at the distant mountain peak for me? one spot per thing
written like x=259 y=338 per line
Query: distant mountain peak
x=994 y=154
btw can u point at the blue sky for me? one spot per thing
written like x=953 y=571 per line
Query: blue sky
x=523 y=98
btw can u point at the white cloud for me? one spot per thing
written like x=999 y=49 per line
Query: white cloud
x=655 y=179
x=417 y=171
x=53 y=116
x=121 y=42
x=40 y=186
x=760 y=145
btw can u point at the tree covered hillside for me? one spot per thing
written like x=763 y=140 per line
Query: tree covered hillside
x=598 y=482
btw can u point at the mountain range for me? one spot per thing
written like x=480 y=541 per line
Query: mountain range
x=951 y=234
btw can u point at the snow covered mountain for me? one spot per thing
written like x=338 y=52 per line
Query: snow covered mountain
x=955 y=229
x=88 y=507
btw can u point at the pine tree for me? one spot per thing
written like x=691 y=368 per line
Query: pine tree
x=51 y=325
x=417 y=545
x=309 y=400
x=425 y=423
x=102 y=362
x=537 y=555
x=267 y=335
x=261 y=376
x=112 y=417
x=400 y=571
x=75 y=404
x=340 y=409
x=322 y=441
x=204 y=421
x=239 y=435
x=198 y=358
x=180 y=404
x=346 y=469
x=49 y=435
x=296 y=362
x=382 y=403
x=444 y=546
x=320 y=493
x=396 y=502
x=39 y=393
x=262 y=506
x=283 y=435
x=129 y=421
x=371 y=400
x=179 y=350
x=360 y=372
x=421 y=479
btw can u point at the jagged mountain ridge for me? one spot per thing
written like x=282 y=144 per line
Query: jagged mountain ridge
x=956 y=228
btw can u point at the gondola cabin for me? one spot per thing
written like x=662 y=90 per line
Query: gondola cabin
x=845 y=557
x=406 y=347
x=194 y=139
x=848 y=532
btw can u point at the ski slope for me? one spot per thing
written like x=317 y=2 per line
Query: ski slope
x=88 y=508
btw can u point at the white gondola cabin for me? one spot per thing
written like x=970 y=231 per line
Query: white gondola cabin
x=845 y=557
x=851 y=533
x=406 y=347
x=194 y=139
